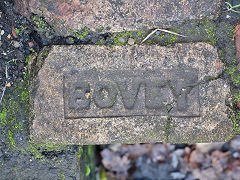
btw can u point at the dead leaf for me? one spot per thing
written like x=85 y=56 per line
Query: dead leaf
x=187 y=152
x=206 y=174
x=238 y=105
x=113 y=162
x=196 y=159
x=14 y=32
x=136 y=150
x=87 y=95
x=159 y=152
x=9 y=36
x=237 y=40
x=219 y=65
x=8 y=84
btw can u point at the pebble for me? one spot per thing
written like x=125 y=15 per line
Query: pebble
x=16 y=44
x=31 y=44
x=2 y=32
x=121 y=40
x=235 y=155
x=178 y=175
x=158 y=33
x=131 y=41
x=134 y=34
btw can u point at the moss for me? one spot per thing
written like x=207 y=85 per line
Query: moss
x=167 y=129
x=11 y=109
x=40 y=23
x=80 y=35
x=210 y=29
x=17 y=30
x=234 y=74
x=121 y=38
x=100 y=41
x=235 y=117
x=80 y=152
x=42 y=26
x=62 y=176
x=36 y=150
x=237 y=97
x=20 y=29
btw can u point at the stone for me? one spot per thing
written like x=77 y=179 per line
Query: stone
x=87 y=94
x=131 y=41
x=120 y=15
x=16 y=44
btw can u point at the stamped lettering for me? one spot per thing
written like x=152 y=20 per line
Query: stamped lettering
x=131 y=93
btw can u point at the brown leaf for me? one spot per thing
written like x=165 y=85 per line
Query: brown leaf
x=234 y=169
x=8 y=84
x=196 y=159
x=113 y=162
x=9 y=36
x=187 y=152
x=87 y=95
x=136 y=150
x=238 y=104
x=14 y=32
x=237 y=40
x=159 y=152
x=206 y=174
x=219 y=154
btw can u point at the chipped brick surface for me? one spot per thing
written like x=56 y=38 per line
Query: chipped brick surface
x=119 y=15
x=101 y=95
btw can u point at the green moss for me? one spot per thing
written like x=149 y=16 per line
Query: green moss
x=237 y=97
x=167 y=129
x=211 y=31
x=234 y=74
x=235 y=117
x=80 y=152
x=121 y=38
x=17 y=30
x=12 y=107
x=81 y=35
x=62 y=177
x=36 y=149
x=27 y=59
x=100 y=41
x=40 y=23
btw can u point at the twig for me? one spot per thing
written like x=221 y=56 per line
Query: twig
x=163 y=30
x=4 y=89
x=231 y=8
